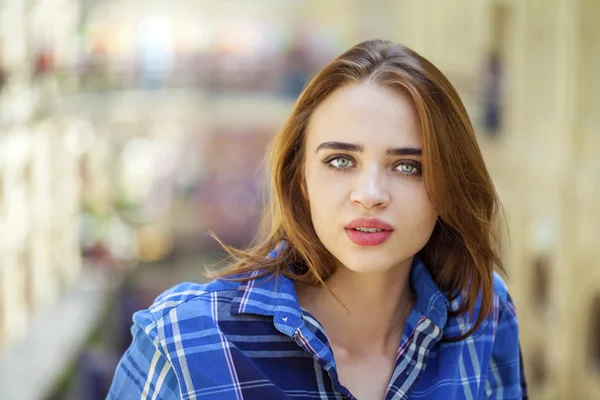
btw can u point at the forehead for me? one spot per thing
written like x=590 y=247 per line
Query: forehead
x=366 y=114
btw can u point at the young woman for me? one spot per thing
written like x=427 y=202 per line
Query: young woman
x=376 y=278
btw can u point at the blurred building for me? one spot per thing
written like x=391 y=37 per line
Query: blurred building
x=39 y=173
x=48 y=158
x=527 y=71
x=129 y=129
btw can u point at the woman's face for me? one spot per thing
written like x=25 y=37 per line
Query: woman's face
x=363 y=171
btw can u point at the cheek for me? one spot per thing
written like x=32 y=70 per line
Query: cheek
x=416 y=209
x=326 y=197
x=313 y=190
x=428 y=217
x=427 y=207
x=323 y=188
x=319 y=200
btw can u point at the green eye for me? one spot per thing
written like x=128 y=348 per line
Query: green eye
x=340 y=162
x=407 y=168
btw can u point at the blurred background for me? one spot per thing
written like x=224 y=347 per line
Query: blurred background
x=130 y=128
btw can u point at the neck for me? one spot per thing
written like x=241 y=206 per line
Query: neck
x=371 y=311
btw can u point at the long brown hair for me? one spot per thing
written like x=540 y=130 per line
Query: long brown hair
x=464 y=247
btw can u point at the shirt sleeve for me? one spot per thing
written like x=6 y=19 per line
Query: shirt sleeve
x=144 y=372
x=506 y=378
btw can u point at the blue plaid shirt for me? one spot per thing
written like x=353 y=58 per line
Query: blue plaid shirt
x=251 y=340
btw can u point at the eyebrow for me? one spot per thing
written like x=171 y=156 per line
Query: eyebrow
x=341 y=146
x=358 y=148
x=404 y=151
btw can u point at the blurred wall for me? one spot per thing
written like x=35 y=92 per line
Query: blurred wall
x=41 y=153
x=525 y=69
x=543 y=152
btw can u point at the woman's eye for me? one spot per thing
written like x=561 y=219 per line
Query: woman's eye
x=408 y=168
x=340 y=162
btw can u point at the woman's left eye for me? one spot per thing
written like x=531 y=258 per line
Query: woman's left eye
x=408 y=168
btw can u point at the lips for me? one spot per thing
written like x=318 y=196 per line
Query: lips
x=362 y=238
x=369 y=223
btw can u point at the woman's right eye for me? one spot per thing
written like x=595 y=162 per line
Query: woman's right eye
x=340 y=162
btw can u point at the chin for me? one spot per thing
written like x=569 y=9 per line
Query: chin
x=375 y=259
x=369 y=262
x=368 y=269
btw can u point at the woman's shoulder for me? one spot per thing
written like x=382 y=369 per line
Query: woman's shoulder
x=501 y=322
x=173 y=341
x=491 y=354
x=501 y=318
x=500 y=288
x=503 y=309
x=186 y=301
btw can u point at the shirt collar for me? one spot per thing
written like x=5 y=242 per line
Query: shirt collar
x=269 y=295
x=275 y=295
x=431 y=302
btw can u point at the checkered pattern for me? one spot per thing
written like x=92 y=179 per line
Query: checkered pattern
x=251 y=340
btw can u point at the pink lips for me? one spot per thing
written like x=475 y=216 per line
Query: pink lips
x=369 y=238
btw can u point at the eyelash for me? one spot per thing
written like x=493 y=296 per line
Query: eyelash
x=328 y=160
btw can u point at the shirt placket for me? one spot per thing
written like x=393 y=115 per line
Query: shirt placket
x=323 y=355
x=412 y=359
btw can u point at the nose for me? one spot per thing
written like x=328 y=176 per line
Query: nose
x=370 y=190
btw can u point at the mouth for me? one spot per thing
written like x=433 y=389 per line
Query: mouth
x=368 y=232
x=369 y=225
